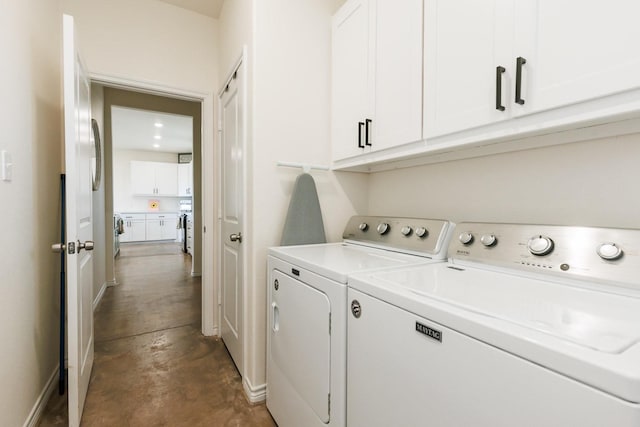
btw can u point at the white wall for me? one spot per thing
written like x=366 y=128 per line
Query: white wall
x=99 y=262
x=590 y=183
x=123 y=199
x=289 y=121
x=30 y=119
x=147 y=40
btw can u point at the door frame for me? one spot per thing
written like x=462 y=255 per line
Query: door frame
x=241 y=61
x=209 y=198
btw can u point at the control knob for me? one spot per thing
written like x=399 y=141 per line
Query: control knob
x=609 y=251
x=406 y=230
x=421 y=232
x=383 y=228
x=488 y=240
x=540 y=245
x=363 y=226
x=465 y=238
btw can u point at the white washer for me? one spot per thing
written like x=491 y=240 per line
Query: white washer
x=307 y=305
x=524 y=326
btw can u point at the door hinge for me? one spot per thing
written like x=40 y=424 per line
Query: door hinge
x=329 y=323
x=329 y=403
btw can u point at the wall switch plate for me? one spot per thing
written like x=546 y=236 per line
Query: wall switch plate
x=7 y=166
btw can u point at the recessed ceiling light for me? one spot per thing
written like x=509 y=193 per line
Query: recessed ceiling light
x=156 y=145
x=157 y=137
x=158 y=124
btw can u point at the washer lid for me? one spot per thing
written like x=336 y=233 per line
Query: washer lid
x=587 y=334
x=338 y=260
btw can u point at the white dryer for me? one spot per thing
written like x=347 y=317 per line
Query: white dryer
x=307 y=306
x=525 y=326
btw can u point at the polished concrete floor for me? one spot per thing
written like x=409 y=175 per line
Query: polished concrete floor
x=152 y=365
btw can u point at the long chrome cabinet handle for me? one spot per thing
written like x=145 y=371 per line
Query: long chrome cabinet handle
x=520 y=61
x=499 y=71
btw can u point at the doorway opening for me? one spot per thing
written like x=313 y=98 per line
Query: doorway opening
x=153 y=177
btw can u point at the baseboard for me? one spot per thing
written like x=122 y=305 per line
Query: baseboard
x=98 y=297
x=111 y=283
x=34 y=416
x=255 y=394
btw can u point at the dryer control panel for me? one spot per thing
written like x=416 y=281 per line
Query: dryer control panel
x=610 y=255
x=420 y=236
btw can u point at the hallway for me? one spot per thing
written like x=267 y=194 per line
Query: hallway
x=152 y=365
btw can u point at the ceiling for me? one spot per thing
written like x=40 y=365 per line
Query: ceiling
x=134 y=129
x=209 y=8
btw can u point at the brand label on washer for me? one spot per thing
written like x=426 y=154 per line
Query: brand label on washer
x=434 y=334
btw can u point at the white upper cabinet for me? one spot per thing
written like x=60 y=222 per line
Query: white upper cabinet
x=376 y=76
x=502 y=59
x=351 y=77
x=185 y=179
x=397 y=110
x=465 y=41
x=154 y=178
x=577 y=51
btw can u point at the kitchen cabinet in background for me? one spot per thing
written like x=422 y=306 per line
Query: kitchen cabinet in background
x=134 y=227
x=161 y=226
x=376 y=76
x=154 y=178
x=185 y=179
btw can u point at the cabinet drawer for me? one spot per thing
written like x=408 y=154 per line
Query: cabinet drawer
x=164 y=216
x=133 y=216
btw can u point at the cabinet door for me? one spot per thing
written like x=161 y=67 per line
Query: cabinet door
x=138 y=231
x=185 y=179
x=397 y=118
x=169 y=228
x=167 y=179
x=154 y=229
x=143 y=178
x=351 y=77
x=578 y=51
x=465 y=41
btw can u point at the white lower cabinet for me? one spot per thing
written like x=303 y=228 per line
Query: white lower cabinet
x=140 y=227
x=134 y=227
x=162 y=226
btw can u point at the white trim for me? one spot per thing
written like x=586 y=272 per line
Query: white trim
x=98 y=297
x=146 y=86
x=41 y=402
x=196 y=274
x=255 y=394
x=112 y=283
x=206 y=110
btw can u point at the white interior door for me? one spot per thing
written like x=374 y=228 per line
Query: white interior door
x=79 y=218
x=232 y=135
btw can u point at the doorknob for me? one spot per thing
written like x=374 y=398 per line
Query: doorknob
x=58 y=247
x=61 y=247
x=87 y=246
x=236 y=237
